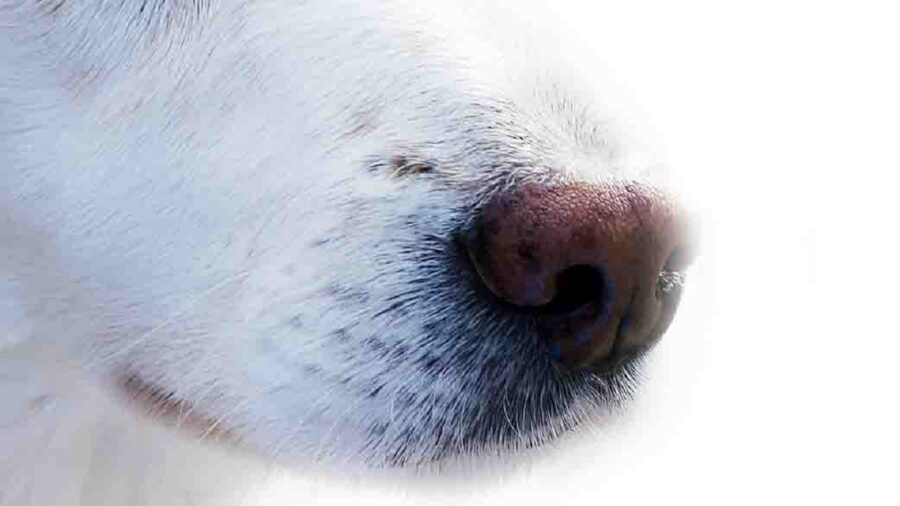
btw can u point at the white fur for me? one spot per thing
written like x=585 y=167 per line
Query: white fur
x=212 y=195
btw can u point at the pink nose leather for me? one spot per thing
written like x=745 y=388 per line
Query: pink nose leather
x=598 y=265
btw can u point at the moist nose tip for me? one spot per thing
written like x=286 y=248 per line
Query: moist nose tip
x=599 y=267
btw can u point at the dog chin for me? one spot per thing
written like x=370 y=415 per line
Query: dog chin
x=599 y=393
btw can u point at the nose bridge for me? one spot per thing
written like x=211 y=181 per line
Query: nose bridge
x=602 y=246
x=540 y=229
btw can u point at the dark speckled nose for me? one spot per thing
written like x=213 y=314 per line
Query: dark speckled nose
x=598 y=266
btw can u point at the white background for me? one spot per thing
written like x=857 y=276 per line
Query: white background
x=778 y=382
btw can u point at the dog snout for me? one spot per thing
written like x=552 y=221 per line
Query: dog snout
x=599 y=267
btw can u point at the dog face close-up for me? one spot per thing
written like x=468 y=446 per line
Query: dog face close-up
x=329 y=232
x=395 y=235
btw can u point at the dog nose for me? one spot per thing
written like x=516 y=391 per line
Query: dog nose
x=599 y=267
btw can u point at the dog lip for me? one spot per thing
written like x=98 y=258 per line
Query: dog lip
x=165 y=406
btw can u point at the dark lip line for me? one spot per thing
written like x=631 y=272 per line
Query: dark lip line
x=163 y=405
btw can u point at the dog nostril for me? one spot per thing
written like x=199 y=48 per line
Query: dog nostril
x=575 y=287
x=672 y=276
x=599 y=267
x=669 y=284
